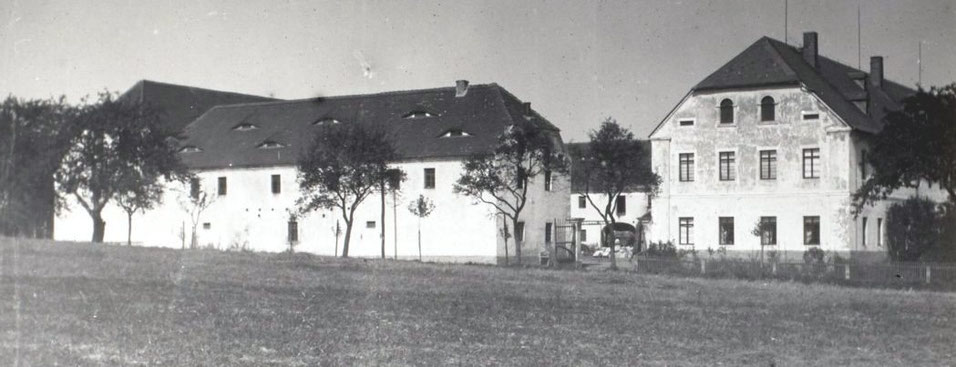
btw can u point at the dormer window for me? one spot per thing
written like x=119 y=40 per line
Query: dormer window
x=419 y=114
x=190 y=149
x=326 y=121
x=270 y=144
x=455 y=133
x=245 y=126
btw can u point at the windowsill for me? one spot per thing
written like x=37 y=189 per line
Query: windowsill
x=721 y=180
x=726 y=244
x=686 y=244
x=811 y=244
x=811 y=178
x=719 y=125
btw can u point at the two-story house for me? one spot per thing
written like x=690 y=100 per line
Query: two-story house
x=773 y=138
x=245 y=157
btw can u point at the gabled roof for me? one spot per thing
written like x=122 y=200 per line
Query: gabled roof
x=769 y=63
x=578 y=178
x=483 y=112
x=180 y=104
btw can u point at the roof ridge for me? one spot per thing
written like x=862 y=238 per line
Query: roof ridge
x=144 y=82
x=356 y=95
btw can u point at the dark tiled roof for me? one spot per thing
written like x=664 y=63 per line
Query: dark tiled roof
x=180 y=105
x=578 y=178
x=483 y=113
x=769 y=62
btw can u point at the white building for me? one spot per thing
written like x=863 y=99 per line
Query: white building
x=776 y=135
x=244 y=155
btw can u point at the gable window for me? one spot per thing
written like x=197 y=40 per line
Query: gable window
x=269 y=144
x=194 y=188
x=727 y=171
x=621 y=205
x=418 y=114
x=326 y=121
x=293 y=230
x=519 y=232
x=686 y=236
x=768 y=231
x=686 y=123
x=582 y=202
x=811 y=230
x=725 y=229
x=222 y=186
x=455 y=133
x=276 y=184
x=245 y=126
x=768 y=164
x=767 y=107
x=811 y=116
x=686 y=167
x=547 y=232
x=726 y=111
x=429 y=178
x=811 y=163
x=547 y=180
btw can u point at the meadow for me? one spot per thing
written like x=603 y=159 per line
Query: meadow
x=84 y=304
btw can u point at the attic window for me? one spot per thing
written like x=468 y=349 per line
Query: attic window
x=269 y=144
x=245 y=126
x=455 y=133
x=811 y=116
x=419 y=114
x=326 y=121
x=190 y=149
x=686 y=122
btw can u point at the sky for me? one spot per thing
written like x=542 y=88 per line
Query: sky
x=577 y=62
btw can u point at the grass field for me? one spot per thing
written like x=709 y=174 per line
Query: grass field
x=80 y=304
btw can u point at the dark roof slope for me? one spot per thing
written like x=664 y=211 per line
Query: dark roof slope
x=769 y=62
x=578 y=178
x=180 y=104
x=482 y=113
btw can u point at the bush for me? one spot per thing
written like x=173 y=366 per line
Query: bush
x=912 y=229
x=661 y=249
x=813 y=255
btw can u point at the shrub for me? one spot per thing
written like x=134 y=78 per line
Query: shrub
x=912 y=229
x=813 y=255
x=661 y=249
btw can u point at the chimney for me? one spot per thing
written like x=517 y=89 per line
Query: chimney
x=810 y=48
x=461 y=88
x=527 y=108
x=876 y=72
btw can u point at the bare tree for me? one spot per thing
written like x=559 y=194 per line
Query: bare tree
x=195 y=202
x=143 y=194
x=421 y=208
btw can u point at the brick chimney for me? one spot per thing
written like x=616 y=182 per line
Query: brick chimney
x=527 y=108
x=876 y=72
x=810 y=48
x=461 y=88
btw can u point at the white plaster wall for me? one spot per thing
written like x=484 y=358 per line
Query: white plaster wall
x=636 y=206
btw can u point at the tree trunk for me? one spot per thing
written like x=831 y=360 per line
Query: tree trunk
x=419 y=240
x=395 y=223
x=514 y=224
x=129 y=229
x=99 y=227
x=383 y=218
x=348 y=235
x=610 y=238
x=504 y=224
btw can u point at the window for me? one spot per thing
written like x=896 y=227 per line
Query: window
x=811 y=230
x=276 y=184
x=811 y=116
x=727 y=171
x=863 y=234
x=519 y=232
x=767 y=107
x=768 y=164
x=547 y=180
x=245 y=126
x=194 y=188
x=726 y=111
x=190 y=149
x=726 y=230
x=293 y=231
x=584 y=235
x=686 y=162
x=863 y=164
x=861 y=105
x=879 y=232
x=686 y=231
x=206 y=225
x=582 y=202
x=520 y=178
x=429 y=178
x=418 y=114
x=269 y=144
x=326 y=121
x=547 y=232
x=370 y=224
x=686 y=122
x=621 y=205
x=222 y=186
x=455 y=133
x=811 y=163
x=768 y=231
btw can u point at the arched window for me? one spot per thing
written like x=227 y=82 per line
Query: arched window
x=270 y=144
x=767 y=109
x=726 y=111
x=419 y=114
x=326 y=121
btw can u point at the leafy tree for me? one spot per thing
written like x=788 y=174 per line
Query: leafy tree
x=912 y=229
x=32 y=140
x=421 y=208
x=500 y=178
x=344 y=164
x=918 y=143
x=613 y=163
x=195 y=202
x=144 y=193
x=391 y=181
x=116 y=140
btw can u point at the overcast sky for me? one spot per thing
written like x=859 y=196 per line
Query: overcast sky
x=576 y=61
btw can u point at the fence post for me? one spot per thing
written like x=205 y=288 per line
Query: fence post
x=703 y=266
x=846 y=271
x=929 y=274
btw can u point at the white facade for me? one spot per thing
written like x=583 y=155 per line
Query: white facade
x=250 y=215
x=635 y=206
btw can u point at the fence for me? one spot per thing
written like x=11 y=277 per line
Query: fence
x=895 y=275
